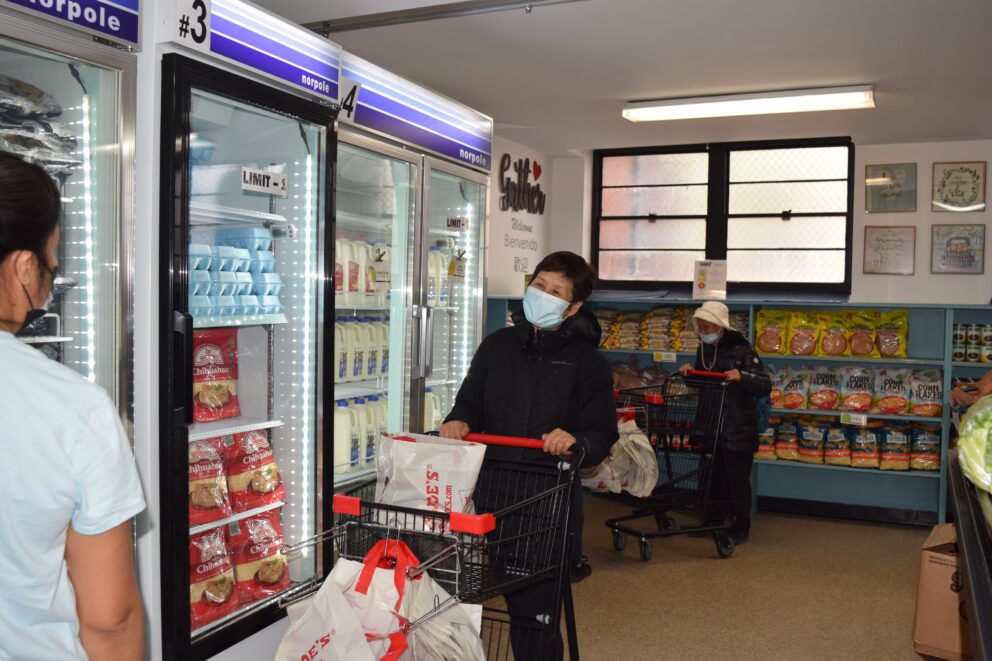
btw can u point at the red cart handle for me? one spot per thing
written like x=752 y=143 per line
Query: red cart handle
x=708 y=375
x=511 y=441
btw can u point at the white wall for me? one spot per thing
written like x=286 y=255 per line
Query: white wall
x=923 y=287
x=507 y=264
x=571 y=211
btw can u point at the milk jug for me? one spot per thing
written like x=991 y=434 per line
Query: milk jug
x=432 y=413
x=342 y=437
x=340 y=353
x=371 y=431
x=378 y=409
x=359 y=433
x=371 y=274
x=443 y=281
x=362 y=347
x=380 y=330
x=339 y=278
x=357 y=263
x=372 y=348
x=352 y=349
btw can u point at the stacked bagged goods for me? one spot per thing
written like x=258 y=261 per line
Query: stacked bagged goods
x=606 y=318
x=253 y=478
x=211 y=578
x=740 y=321
x=804 y=333
x=894 y=450
x=857 y=389
x=630 y=331
x=256 y=549
x=825 y=388
x=656 y=329
x=779 y=379
x=766 y=441
x=833 y=334
x=27 y=129
x=854 y=333
x=208 y=497
x=837 y=448
x=866 y=444
x=925 y=450
x=233 y=273
x=795 y=392
x=812 y=440
x=215 y=375
x=860 y=330
x=892 y=392
x=771 y=329
x=926 y=397
x=787 y=440
x=892 y=334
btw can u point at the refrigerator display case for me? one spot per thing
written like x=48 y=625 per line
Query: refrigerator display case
x=71 y=111
x=247 y=207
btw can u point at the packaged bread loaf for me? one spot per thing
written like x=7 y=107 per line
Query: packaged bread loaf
x=804 y=332
x=771 y=329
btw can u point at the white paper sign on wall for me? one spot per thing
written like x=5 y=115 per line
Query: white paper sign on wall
x=348 y=92
x=710 y=280
x=193 y=24
x=263 y=181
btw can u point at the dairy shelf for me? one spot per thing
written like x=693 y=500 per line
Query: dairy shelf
x=199 y=431
x=353 y=389
x=249 y=320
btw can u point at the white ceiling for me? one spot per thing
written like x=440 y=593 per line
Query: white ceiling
x=556 y=79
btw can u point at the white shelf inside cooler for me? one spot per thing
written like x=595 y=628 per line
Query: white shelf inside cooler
x=201 y=213
x=248 y=320
x=354 y=221
x=360 y=388
x=45 y=339
x=359 y=308
x=199 y=431
x=442 y=382
x=195 y=530
x=446 y=232
x=292 y=590
x=342 y=480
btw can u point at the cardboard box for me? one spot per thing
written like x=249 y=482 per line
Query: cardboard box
x=940 y=627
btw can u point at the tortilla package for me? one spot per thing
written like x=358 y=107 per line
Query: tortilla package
x=253 y=478
x=857 y=389
x=837 y=448
x=891 y=392
x=766 y=441
x=215 y=374
x=894 y=449
x=812 y=438
x=824 y=389
x=779 y=378
x=926 y=398
x=208 y=500
x=259 y=564
x=860 y=325
x=771 y=328
x=787 y=440
x=211 y=578
x=833 y=334
x=796 y=390
x=865 y=444
x=925 y=451
x=892 y=334
x=804 y=332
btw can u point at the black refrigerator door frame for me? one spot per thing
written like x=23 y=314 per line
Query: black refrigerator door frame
x=180 y=76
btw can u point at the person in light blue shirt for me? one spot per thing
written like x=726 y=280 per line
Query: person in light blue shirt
x=69 y=483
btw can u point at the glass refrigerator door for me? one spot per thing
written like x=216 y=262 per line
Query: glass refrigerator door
x=454 y=284
x=374 y=239
x=250 y=224
x=63 y=114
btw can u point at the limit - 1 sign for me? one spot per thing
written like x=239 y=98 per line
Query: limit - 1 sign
x=263 y=181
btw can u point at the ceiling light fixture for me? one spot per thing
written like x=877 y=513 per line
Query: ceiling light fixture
x=759 y=103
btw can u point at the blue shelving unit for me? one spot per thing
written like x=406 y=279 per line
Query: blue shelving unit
x=907 y=496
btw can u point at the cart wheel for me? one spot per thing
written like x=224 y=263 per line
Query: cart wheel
x=645 y=550
x=665 y=523
x=619 y=540
x=725 y=545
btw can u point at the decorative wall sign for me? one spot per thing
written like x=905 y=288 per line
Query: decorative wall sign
x=957 y=249
x=890 y=250
x=890 y=188
x=959 y=186
x=520 y=194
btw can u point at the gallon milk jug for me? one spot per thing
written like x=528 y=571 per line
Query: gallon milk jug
x=371 y=370
x=359 y=431
x=430 y=410
x=371 y=292
x=361 y=412
x=349 y=273
x=380 y=332
x=379 y=410
x=361 y=252
x=342 y=437
x=371 y=432
x=443 y=281
x=362 y=332
x=351 y=347
x=339 y=279
x=340 y=353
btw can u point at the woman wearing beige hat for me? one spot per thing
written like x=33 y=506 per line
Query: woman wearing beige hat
x=723 y=349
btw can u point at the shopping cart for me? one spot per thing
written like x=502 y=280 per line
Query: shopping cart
x=518 y=537
x=683 y=418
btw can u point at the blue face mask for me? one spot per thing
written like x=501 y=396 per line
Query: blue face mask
x=543 y=310
x=709 y=338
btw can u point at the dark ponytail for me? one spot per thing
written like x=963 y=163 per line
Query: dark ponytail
x=30 y=205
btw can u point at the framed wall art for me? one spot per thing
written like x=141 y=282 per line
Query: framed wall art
x=959 y=186
x=890 y=250
x=890 y=188
x=957 y=249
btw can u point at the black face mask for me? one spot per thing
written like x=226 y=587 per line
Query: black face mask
x=34 y=324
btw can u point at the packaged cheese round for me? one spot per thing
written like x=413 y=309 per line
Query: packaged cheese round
x=837 y=448
x=865 y=443
x=787 y=440
x=256 y=549
x=857 y=389
x=825 y=387
x=208 y=500
x=796 y=390
x=833 y=334
x=771 y=328
x=804 y=332
x=895 y=447
x=253 y=478
x=891 y=392
x=211 y=578
x=215 y=374
x=925 y=451
x=926 y=397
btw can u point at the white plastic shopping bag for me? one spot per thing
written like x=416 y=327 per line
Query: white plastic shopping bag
x=427 y=472
x=327 y=630
x=632 y=465
x=450 y=634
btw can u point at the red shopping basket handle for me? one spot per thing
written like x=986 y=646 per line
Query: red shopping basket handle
x=511 y=441
x=707 y=375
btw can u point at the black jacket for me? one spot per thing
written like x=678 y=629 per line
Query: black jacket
x=733 y=351
x=526 y=383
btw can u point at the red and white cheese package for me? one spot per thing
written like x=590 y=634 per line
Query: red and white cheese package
x=211 y=578
x=259 y=564
x=208 y=500
x=215 y=374
x=253 y=478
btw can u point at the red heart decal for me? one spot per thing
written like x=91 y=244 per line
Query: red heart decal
x=537 y=171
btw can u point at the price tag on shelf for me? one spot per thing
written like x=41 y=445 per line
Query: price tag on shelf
x=664 y=356
x=348 y=91
x=857 y=419
x=193 y=24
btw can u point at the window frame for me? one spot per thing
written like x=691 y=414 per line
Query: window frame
x=717 y=212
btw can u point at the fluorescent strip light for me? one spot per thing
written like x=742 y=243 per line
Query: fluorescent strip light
x=760 y=103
